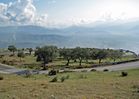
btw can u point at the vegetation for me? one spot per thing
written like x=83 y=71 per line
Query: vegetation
x=21 y=55
x=46 y=54
x=92 y=85
x=53 y=57
x=124 y=74
x=12 y=48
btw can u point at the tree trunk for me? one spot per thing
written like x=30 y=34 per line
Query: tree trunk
x=114 y=60
x=80 y=62
x=99 y=61
x=68 y=62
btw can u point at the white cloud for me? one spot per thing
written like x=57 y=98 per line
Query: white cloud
x=20 y=12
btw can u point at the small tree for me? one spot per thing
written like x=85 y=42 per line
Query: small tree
x=101 y=54
x=30 y=50
x=115 y=54
x=21 y=55
x=12 y=48
x=46 y=54
x=66 y=54
x=79 y=53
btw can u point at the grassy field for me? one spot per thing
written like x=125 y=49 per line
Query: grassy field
x=84 y=85
x=29 y=61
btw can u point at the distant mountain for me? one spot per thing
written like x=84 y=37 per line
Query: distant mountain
x=102 y=35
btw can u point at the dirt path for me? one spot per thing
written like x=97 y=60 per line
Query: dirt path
x=10 y=70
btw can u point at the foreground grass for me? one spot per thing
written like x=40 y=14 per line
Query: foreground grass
x=94 y=85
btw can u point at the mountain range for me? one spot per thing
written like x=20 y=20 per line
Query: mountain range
x=99 y=34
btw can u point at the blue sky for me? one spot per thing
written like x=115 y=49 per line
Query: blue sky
x=67 y=12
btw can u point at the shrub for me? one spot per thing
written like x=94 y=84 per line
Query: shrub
x=62 y=79
x=105 y=70
x=1 y=78
x=136 y=88
x=28 y=74
x=93 y=70
x=52 y=72
x=54 y=79
x=124 y=74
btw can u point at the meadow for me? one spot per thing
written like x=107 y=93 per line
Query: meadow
x=78 y=85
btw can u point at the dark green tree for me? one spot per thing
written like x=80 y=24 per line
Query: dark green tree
x=66 y=54
x=21 y=55
x=79 y=53
x=115 y=54
x=12 y=48
x=46 y=54
x=30 y=50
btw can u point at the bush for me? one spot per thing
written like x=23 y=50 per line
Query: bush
x=28 y=74
x=54 y=79
x=62 y=79
x=93 y=70
x=105 y=70
x=52 y=72
x=1 y=78
x=124 y=74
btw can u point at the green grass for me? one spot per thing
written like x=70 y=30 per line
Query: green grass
x=94 y=85
x=30 y=62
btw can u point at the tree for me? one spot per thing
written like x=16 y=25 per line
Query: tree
x=115 y=54
x=101 y=54
x=30 y=50
x=21 y=55
x=12 y=48
x=46 y=54
x=79 y=53
x=66 y=54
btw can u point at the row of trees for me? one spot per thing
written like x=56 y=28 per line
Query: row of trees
x=13 y=49
x=49 y=53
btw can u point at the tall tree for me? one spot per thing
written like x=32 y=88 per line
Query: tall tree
x=30 y=50
x=101 y=54
x=12 y=48
x=21 y=55
x=79 y=53
x=46 y=54
x=115 y=54
x=66 y=54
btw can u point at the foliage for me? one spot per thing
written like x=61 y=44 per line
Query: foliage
x=115 y=54
x=124 y=74
x=52 y=72
x=54 y=79
x=12 y=48
x=1 y=77
x=105 y=70
x=66 y=54
x=21 y=54
x=46 y=54
x=62 y=79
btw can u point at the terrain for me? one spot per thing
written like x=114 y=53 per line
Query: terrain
x=100 y=35
x=83 y=85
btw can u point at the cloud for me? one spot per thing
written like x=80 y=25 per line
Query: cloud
x=52 y=1
x=21 y=12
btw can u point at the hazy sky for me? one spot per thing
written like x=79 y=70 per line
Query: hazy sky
x=54 y=12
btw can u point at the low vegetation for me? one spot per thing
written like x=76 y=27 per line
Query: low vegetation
x=83 y=85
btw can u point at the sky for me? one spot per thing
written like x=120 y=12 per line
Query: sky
x=66 y=12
